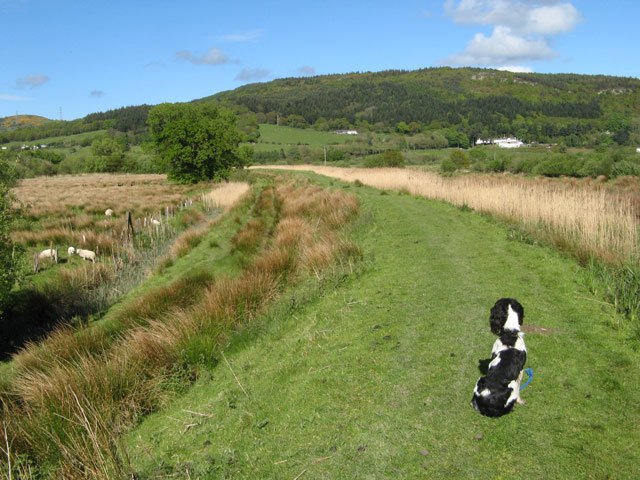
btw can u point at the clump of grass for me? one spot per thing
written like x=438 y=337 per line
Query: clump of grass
x=179 y=294
x=190 y=217
x=249 y=238
x=618 y=285
x=186 y=242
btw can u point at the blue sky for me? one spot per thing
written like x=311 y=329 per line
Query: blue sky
x=66 y=59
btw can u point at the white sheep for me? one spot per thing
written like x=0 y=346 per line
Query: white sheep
x=108 y=212
x=84 y=254
x=48 y=253
x=155 y=222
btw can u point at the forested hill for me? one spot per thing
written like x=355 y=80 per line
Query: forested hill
x=479 y=100
x=569 y=108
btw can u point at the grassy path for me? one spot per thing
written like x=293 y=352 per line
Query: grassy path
x=373 y=379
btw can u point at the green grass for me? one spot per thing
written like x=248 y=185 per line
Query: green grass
x=369 y=374
x=285 y=136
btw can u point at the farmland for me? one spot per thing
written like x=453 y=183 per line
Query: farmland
x=66 y=211
x=323 y=329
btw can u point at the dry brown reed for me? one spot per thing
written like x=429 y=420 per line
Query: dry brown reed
x=93 y=194
x=70 y=210
x=592 y=218
x=71 y=411
x=227 y=194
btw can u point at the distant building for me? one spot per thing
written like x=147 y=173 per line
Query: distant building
x=346 y=132
x=501 y=142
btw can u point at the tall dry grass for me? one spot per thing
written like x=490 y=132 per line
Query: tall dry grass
x=67 y=410
x=584 y=217
x=227 y=194
x=70 y=209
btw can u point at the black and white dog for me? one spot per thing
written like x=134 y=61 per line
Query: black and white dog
x=495 y=393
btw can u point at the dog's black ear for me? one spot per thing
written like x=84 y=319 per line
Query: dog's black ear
x=498 y=316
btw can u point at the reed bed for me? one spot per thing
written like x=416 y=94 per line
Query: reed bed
x=584 y=217
x=227 y=194
x=66 y=410
x=59 y=196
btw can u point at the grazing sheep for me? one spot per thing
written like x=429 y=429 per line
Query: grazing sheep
x=154 y=221
x=108 y=212
x=84 y=254
x=48 y=253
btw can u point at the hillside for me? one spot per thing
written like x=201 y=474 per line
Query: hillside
x=18 y=121
x=477 y=101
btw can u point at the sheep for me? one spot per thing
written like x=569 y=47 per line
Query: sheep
x=48 y=253
x=84 y=254
x=108 y=212
x=155 y=222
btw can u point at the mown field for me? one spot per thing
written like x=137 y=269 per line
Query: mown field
x=276 y=137
x=350 y=363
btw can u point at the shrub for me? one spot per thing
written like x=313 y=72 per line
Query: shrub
x=625 y=168
x=459 y=159
x=392 y=158
x=447 y=165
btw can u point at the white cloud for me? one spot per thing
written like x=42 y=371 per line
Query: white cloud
x=32 y=80
x=306 y=70
x=501 y=48
x=516 y=69
x=522 y=29
x=97 y=93
x=249 y=74
x=214 y=56
x=522 y=16
x=552 y=19
x=14 y=98
x=243 y=36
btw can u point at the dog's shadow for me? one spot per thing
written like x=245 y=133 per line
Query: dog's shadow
x=483 y=366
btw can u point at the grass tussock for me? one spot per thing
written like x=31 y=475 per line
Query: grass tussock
x=179 y=294
x=249 y=238
x=72 y=395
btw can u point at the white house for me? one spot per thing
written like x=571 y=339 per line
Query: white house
x=508 y=142
x=501 y=142
x=346 y=132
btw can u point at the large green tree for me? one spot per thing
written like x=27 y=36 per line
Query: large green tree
x=195 y=142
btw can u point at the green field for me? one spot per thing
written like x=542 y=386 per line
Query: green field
x=272 y=136
x=369 y=373
x=64 y=140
